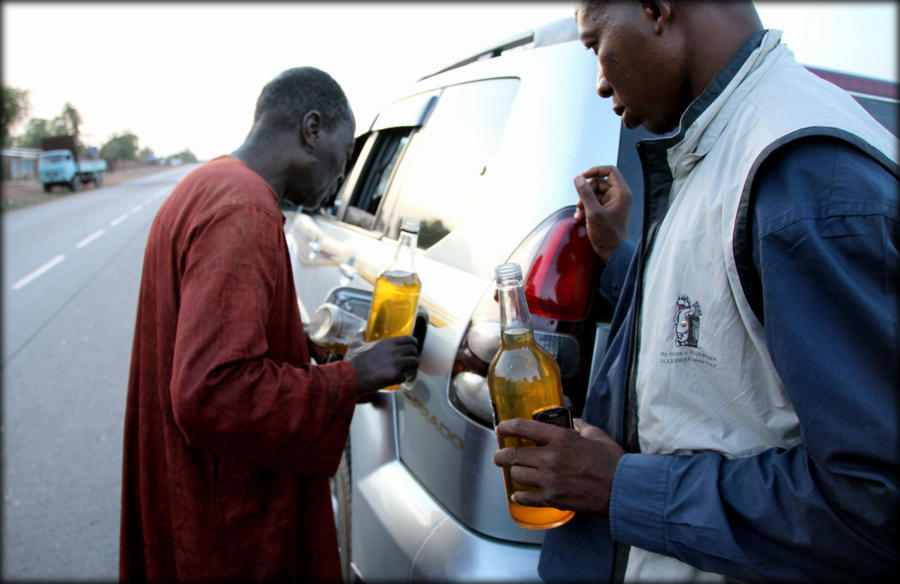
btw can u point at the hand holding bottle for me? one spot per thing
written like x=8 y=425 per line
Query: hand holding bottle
x=523 y=380
x=604 y=203
x=568 y=470
x=395 y=299
x=384 y=362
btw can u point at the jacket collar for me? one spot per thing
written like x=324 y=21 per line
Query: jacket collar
x=661 y=157
x=722 y=98
x=696 y=131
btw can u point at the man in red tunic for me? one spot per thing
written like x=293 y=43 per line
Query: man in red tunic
x=231 y=434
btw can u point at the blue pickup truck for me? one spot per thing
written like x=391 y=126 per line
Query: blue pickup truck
x=59 y=165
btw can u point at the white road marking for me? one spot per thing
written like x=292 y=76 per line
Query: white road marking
x=163 y=193
x=38 y=272
x=52 y=263
x=90 y=238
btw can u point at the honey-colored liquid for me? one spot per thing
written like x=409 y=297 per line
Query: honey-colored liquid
x=524 y=378
x=334 y=348
x=394 y=304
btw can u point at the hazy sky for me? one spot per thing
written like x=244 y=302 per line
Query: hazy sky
x=182 y=75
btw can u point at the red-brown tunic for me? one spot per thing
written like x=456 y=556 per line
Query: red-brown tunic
x=230 y=433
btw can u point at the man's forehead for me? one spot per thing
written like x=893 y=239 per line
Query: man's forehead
x=586 y=16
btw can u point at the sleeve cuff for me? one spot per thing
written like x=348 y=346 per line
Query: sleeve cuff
x=637 y=502
x=342 y=378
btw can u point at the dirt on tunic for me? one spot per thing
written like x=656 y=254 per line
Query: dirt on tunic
x=27 y=192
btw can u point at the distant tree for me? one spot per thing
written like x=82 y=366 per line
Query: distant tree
x=65 y=124
x=69 y=120
x=146 y=153
x=35 y=129
x=121 y=147
x=186 y=156
x=16 y=105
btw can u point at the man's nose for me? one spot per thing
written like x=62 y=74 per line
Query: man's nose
x=604 y=89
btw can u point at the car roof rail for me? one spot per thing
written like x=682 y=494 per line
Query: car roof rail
x=557 y=31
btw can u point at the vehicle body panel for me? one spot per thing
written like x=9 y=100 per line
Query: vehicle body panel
x=427 y=501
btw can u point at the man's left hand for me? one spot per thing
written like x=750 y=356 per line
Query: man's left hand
x=569 y=469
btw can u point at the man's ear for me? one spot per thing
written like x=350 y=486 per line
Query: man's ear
x=310 y=129
x=658 y=13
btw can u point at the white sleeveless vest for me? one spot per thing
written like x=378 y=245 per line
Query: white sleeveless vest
x=705 y=379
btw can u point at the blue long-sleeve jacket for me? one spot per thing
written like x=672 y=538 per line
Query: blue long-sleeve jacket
x=823 y=274
x=826 y=247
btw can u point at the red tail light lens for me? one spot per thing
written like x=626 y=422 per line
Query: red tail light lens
x=558 y=285
x=559 y=289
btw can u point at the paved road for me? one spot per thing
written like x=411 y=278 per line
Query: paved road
x=71 y=273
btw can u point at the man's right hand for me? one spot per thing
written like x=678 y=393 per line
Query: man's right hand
x=383 y=363
x=604 y=203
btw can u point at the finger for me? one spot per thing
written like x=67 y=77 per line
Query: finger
x=614 y=177
x=509 y=457
x=501 y=457
x=599 y=184
x=602 y=172
x=588 y=431
x=411 y=364
x=401 y=341
x=529 y=429
x=617 y=183
x=406 y=352
x=528 y=498
x=579 y=211
x=587 y=196
x=525 y=475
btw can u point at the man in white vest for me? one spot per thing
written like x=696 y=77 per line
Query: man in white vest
x=744 y=422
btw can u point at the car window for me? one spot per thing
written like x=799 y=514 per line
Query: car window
x=387 y=147
x=437 y=178
x=375 y=157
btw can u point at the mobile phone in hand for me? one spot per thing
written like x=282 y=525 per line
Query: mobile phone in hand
x=557 y=415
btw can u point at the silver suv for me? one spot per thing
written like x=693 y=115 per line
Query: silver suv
x=483 y=153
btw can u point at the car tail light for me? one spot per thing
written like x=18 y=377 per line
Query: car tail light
x=558 y=284
x=559 y=288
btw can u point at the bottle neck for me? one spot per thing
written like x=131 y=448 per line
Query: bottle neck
x=515 y=321
x=406 y=252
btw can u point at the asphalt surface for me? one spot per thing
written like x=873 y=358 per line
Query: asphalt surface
x=71 y=274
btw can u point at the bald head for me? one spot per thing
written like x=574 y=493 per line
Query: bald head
x=655 y=57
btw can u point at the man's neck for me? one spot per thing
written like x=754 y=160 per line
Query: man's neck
x=260 y=160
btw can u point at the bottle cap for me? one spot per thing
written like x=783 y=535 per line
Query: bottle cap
x=410 y=225
x=508 y=272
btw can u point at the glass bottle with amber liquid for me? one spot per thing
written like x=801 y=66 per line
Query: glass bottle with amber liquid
x=396 y=296
x=524 y=380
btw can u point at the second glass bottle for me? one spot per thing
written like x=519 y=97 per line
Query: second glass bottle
x=523 y=380
x=395 y=300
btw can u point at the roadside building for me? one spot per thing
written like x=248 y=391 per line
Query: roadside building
x=20 y=163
